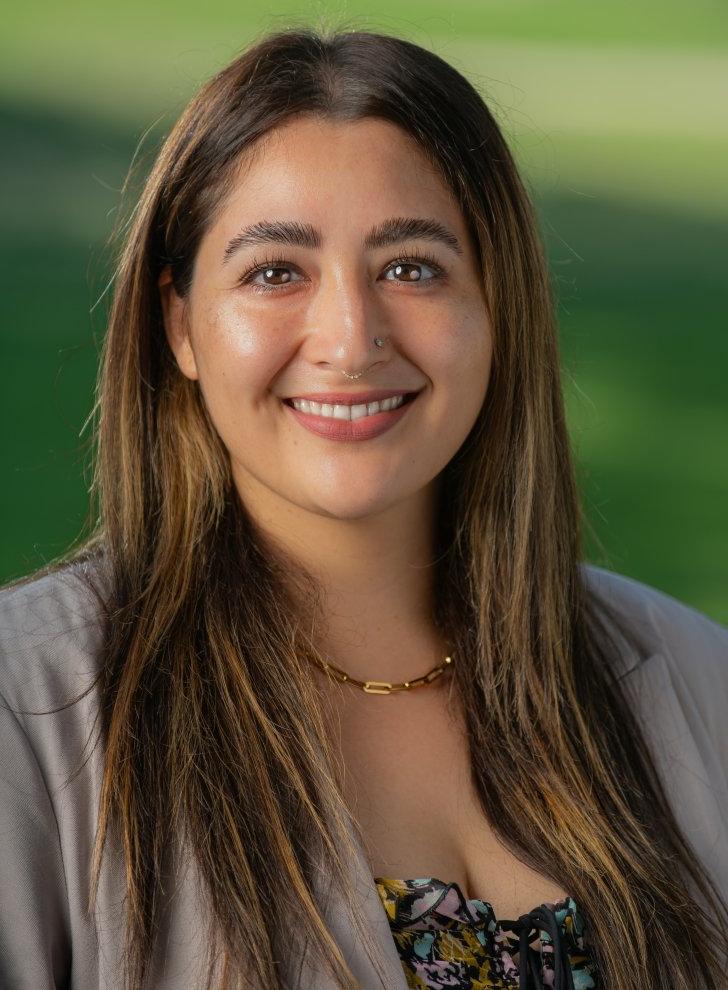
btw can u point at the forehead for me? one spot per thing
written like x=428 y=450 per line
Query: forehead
x=345 y=169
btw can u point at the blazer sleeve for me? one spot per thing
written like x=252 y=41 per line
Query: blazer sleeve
x=35 y=949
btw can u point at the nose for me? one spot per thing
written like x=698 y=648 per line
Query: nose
x=343 y=321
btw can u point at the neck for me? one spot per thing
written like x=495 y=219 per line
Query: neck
x=376 y=574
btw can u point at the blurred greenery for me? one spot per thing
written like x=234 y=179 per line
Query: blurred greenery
x=616 y=115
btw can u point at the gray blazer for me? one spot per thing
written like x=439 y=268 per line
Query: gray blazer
x=49 y=639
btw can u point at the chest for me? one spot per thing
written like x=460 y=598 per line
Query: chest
x=408 y=783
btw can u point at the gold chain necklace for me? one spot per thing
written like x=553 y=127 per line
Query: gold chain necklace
x=384 y=687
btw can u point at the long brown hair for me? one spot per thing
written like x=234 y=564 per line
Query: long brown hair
x=213 y=733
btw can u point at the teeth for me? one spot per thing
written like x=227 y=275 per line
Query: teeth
x=346 y=411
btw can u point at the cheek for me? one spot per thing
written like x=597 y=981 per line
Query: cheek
x=237 y=359
x=461 y=360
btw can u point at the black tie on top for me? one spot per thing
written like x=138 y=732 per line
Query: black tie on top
x=527 y=927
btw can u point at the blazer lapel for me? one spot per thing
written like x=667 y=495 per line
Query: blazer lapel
x=301 y=974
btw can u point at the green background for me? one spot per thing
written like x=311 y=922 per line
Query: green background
x=617 y=116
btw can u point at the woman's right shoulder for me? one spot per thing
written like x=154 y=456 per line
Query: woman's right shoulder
x=51 y=640
x=51 y=627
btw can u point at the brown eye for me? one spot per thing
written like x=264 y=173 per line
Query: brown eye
x=415 y=275
x=279 y=274
x=277 y=269
x=410 y=270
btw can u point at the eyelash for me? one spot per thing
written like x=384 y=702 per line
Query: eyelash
x=281 y=262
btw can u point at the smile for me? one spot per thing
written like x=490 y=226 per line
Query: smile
x=360 y=421
x=344 y=411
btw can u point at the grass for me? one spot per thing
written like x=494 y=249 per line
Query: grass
x=614 y=117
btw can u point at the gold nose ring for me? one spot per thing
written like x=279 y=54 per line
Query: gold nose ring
x=379 y=342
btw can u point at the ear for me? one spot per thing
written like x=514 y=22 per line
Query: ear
x=174 y=312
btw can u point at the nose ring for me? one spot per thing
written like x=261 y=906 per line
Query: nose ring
x=378 y=343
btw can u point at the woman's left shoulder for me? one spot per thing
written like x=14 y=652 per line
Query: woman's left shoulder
x=682 y=680
x=695 y=643
x=679 y=688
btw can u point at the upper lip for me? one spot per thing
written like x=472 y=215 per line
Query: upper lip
x=353 y=398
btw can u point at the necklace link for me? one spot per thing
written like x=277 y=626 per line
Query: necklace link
x=378 y=687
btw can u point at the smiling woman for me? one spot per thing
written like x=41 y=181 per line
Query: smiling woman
x=327 y=474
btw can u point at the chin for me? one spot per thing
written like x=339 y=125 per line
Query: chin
x=353 y=506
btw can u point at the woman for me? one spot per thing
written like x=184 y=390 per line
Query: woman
x=362 y=716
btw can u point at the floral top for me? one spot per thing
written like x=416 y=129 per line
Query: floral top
x=445 y=940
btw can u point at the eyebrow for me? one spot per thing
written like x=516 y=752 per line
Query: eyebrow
x=390 y=231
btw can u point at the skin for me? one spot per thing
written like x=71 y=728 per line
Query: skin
x=359 y=515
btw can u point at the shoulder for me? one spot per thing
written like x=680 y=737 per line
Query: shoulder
x=690 y=639
x=679 y=688
x=51 y=628
x=51 y=633
x=680 y=684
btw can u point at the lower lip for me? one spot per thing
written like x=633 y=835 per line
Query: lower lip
x=351 y=429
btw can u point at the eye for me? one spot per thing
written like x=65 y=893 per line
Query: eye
x=401 y=266
x=266 y=268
